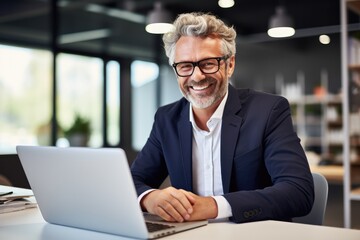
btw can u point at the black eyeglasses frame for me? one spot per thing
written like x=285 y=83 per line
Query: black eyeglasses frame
x=196 y=64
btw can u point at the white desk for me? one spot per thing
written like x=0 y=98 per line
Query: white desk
x=29 y=224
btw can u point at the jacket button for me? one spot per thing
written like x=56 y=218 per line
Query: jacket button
x=252 y=213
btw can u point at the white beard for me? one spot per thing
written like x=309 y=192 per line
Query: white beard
x=203 y=102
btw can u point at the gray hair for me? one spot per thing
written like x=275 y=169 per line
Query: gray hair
x=199 y=24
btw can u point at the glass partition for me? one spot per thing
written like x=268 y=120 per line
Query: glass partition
x=113 y=102
x=79 y=99
x=25 y=97
x=143 y=93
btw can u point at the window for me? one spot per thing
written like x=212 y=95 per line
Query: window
x=113 y=102
x=79 y=94
x=143 y=82
x=25 y=97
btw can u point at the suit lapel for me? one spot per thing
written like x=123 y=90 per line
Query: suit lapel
x=231 y=124
x=185 y=141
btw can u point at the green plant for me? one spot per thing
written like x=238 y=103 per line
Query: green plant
x=81 y=125
x=313 y=110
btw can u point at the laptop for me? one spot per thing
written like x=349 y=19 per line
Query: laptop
x=91 y=189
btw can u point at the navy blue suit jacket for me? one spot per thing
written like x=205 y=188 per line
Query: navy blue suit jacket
x=265 y=173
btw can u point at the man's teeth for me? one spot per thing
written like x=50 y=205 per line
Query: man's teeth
x=199 y=87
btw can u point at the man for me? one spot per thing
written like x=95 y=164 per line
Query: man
x=229 y=153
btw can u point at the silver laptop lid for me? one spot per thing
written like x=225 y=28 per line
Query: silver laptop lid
x=85 y=188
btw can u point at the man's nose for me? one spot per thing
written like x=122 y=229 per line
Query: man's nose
x=198 y=74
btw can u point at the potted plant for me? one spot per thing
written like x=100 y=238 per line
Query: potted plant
x=79 y=132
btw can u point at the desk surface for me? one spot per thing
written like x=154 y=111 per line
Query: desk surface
x=29 y=224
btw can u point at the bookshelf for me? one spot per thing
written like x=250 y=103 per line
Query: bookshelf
x=317 y=120
x=350 y=68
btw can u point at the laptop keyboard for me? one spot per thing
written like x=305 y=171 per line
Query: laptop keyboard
x=153 y=227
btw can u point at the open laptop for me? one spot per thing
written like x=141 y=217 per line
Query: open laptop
x=91 y=189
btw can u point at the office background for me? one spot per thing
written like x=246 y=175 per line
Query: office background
x=90 y=65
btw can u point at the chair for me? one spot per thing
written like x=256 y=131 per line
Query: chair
x=317 y=213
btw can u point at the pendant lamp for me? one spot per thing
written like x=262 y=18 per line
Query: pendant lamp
x=281 y=25
x=159 y=20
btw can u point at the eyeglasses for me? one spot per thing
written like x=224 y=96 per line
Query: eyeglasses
x=206 y=66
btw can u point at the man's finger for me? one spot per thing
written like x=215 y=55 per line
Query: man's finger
x=164 y=215
x=190 y=196
x=184 y=200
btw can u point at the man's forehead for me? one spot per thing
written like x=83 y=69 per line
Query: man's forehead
x=192 y=45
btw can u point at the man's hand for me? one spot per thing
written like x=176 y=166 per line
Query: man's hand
x=179 y=205
x=203 y=208
x=171 y=204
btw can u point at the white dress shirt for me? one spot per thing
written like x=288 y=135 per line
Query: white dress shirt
x=206 y=160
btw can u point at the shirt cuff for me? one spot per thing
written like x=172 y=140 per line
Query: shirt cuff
x=224 y=208
x=143 y=194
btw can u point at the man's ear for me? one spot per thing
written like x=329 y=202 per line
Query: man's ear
x=231 y=66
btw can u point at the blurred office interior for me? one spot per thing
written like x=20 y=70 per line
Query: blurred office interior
x=87 y=73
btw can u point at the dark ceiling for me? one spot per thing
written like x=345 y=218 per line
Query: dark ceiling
x=119 y=25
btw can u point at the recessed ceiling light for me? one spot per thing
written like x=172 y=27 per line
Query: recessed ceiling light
x=324 y=39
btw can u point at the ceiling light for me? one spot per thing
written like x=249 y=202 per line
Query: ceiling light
x=159 y=20
x=280 y=24
x=84 y=36
x=226 y=3
x=324 y=39
x=116 y=13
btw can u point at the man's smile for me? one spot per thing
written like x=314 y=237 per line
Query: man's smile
x=200 y=87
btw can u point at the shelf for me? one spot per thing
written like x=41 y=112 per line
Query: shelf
x=314 y=99
x=356 y=163
x=354 y=67
x=313 y=120
x=335 y=145
x=355 y=194
x=313 y=141
x=335 y=174
x=332 y=173
x=354 y=5
x=335 y=124
x=340 y=144
x=355 y=174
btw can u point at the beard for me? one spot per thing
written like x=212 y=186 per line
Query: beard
x=206 y=100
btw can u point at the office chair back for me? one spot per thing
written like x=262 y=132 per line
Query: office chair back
x=317 y=213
